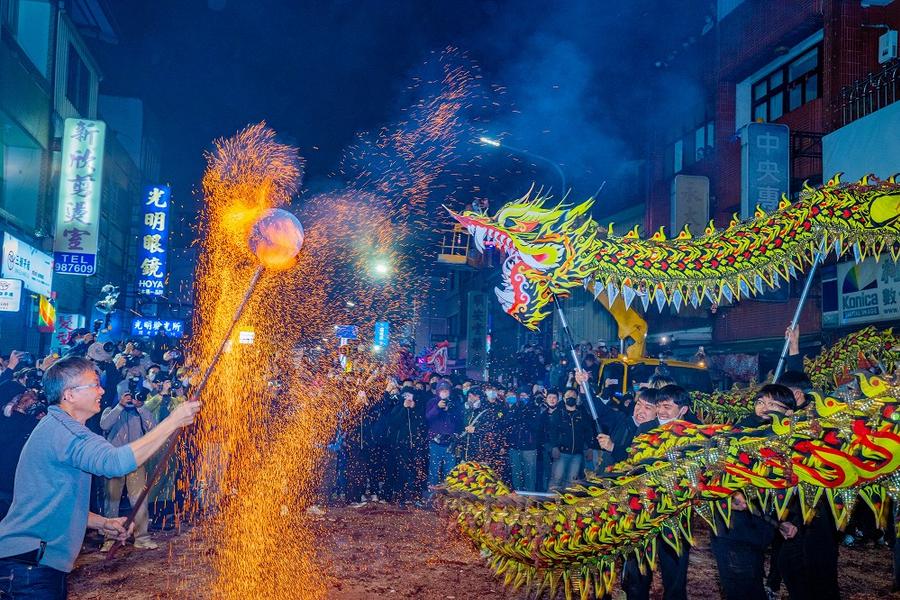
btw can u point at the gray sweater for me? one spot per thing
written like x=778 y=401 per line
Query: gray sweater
x=52 y=490
x=125 y=425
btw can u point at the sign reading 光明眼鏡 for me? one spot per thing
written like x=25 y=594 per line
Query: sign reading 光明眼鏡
x=765 y=166
x=153 y=241
x=868 y=291
x=80 y=186
x=149 y=327
x=33 y=267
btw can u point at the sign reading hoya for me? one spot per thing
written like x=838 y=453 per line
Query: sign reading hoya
x=80 y=186
x=153 y=241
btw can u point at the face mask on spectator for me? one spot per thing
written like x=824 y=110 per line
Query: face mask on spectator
x=570 y=401
x=491 y=394
x=512 y=399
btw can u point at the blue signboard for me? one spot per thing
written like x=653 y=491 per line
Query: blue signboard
x=150 y=327
x=765 y=166
x=382 y=333
x=349 y=332
x=153 y=241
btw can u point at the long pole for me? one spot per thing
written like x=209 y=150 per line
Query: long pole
x=195 y=394
x=787 y=341
x=585 y=386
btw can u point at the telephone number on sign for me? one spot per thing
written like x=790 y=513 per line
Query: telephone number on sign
x=75 y=268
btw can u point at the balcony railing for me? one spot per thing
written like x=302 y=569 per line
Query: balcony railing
x=458 y=251
x=871 y=93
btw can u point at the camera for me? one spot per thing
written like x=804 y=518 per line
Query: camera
x=109 y=347
x=135 y=388
x=132 y=361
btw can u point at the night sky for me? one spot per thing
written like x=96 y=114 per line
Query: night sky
x=572 y=80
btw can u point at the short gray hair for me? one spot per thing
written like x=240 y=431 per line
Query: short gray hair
x=61 y=375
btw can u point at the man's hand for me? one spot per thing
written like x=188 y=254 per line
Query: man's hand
x=555 y=454
x=793 y=337
x=14 y=357
x=185 y=413
x=119 y=361
x=48 y=361
x=470 y=429
x=788 y=530
x=114 y=529
x=605 y=442
x=166 y=387
x=125 y=401
x=581 y=376
x=442 y=404
x=738 y=502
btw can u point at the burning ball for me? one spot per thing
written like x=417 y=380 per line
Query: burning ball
x=276 y=239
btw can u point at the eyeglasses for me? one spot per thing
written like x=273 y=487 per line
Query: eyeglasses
x=85 y=387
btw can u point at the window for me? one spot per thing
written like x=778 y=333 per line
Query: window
x=691 y=148
x=78 y=82
x=788 y=87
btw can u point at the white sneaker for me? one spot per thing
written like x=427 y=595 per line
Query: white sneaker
x=146 y=544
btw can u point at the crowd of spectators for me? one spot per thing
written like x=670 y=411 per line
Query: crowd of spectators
x=142 y=383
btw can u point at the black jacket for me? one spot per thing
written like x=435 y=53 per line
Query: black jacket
x=622 y=433
x=570 y=431
x=406 y=426
x=525 y=429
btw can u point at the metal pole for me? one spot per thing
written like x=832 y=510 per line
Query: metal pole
x=584 y=386
x=796 y=319
x=195 y=394
x=552 y=163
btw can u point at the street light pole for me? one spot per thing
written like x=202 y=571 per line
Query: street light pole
x=486 y=141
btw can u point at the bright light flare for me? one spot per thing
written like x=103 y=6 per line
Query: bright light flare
x=489 y=141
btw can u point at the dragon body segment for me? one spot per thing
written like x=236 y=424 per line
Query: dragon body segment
x=844 y=451
x=550 y=250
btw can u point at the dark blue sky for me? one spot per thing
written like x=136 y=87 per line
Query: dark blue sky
x=577 y=75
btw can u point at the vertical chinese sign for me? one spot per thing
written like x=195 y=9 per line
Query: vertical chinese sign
x=765 y=176
x=80 y=186
x=153 y=241
x=765 y=166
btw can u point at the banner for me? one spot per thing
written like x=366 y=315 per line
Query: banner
x=33 y=267
x=868 y=291
x=78 y=207
x=382 y=334
x=66 y=323
x=10 y=295
x=154 y=240
x=476 y=333
x=46 y=315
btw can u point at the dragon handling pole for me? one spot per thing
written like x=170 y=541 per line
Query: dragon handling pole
x=195 y=395
x=586 y=385
x=796 y=319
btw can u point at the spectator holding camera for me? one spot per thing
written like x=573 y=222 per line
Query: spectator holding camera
x=16 y=360
x=127 y=422
x=444 y=415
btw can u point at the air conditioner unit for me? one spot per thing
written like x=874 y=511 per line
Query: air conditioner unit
x=887 y=47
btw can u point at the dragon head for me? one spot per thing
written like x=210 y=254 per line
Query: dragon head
x=547 y=251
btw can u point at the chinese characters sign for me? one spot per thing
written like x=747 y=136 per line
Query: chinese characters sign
x=10 y=295
x=153 y=241
x=868 y=291
x=149 y=327
x=33 y=267
x=66 y=323
x=78 y=211
x=477 y=330
x=765 y=166
x=382 y=333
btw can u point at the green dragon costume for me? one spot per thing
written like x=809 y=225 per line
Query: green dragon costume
x=846 y=448
x=550 y=250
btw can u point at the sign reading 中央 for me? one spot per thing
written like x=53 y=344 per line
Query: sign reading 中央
x=33 y=267
x=382 y=334
x=10 y=295
x=153 y=241
x=868 y=291
x=78 y=208
x=150 y=327
x=765 y=166
x=66 y=323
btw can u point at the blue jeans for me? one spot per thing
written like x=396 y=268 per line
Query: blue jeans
x=565 y=470
x=20 y=581
x=439 y=455
x=523 y=464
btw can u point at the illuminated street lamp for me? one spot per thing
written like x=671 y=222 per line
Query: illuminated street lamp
x=494 y=143
x=381 y=267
